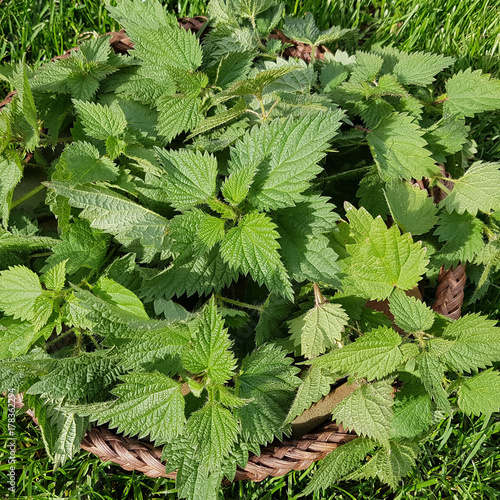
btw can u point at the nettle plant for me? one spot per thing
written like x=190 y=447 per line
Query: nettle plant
x=183 y=275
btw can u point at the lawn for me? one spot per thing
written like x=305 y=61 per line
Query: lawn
x=462 y=460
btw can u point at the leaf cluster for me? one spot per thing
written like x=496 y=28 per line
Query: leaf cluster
x=210 y=222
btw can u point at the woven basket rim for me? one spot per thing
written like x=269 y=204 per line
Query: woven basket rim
x=278 y=458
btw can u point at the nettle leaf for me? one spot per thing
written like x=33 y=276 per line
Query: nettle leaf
x=366 y=68
x=19 y=289
x=367 y=411
x=411 y=207
x=299 y=80
x=305 y=30
x=463 y=237
x=203 y=274
x=476 y=190
x=412 y=410
x=432 y=374
x=148 y=404
x=267 y=377
x=381 y=259
x=190 y=176
x=419 y=68
x=11 y=172
x=251 y=247
x=338 y=463
x=480 y=394
x=447 y=137
x=316 y=383
x=5 y=130
x=16 y=337
x=177 y=114
x=410 y=314
x=55 y=277
x=390 y=464
x=158 y=39
x=399 y=149
x=116 y=294
x=80 y=246
x=213 y=431
x=318 y=329
x=469 y=92
x=132 y=225
x=81 y=162
x=275 y=311
x=100 y=121
x=374 y=355
x=304 y=249
x=281 y=158
x=153 y=348
x=83 y=376
x=476 y=343
x=209 y=352
x=61 y=432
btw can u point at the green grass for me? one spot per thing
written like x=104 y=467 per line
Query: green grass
x=460 y=462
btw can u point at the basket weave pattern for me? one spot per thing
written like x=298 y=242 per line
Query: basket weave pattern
x=280 y=457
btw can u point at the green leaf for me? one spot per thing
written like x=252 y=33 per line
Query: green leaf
x=480 y=394
x=251 y=247
x=282 y=157
x=80 y=247
x=268 y=377
x=83 y=376
x=190 y=175
x=304 y=249
x=132 y=225
x=410 y=314
x=432 y=374
x=476 y=190
x=177 y=114
x=5 y=130
x=447 y=137
x=367 y=411
x=274 y=312
x=19 y=289
x=213 y=431
x=318 y=329
x=148 y=404
x=100 y=121
x=366 y=68
x=55 y=277
x=11 y=172
x=390 y=464
x=61 y=432
x=381 y=259
x=399 y=149
x=412 y=410
x=116 y=294
x=316 y=383
x=203 y=274
x=470 y=92
x=338 y=463
x=20 y=242
x=476 y=343
x=16 y=337
x=411 y=207
x=463 y=237
x=158 y=39
x=210 y=350
x=305 y=30
x=374 y=355
x=419 y=68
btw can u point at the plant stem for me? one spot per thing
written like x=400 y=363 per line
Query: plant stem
x=60 y=337
x=27 y=196
x=239 y=304
x=440 y=185
x=340 y=175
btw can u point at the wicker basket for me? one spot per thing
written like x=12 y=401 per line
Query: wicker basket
x=280 y=457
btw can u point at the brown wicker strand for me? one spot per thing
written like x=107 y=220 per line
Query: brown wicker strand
x=450 y=291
